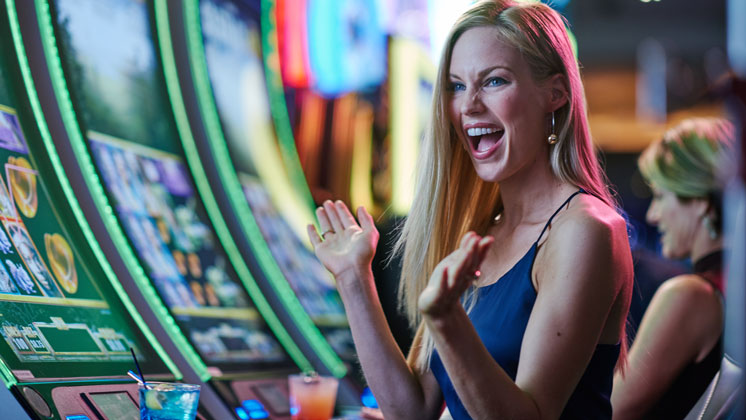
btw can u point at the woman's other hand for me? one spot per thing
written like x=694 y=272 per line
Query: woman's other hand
x=343 y=244
x=453 y=275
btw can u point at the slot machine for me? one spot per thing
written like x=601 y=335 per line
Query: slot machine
x=67 y=326
x=112 y=119
x=220 y=48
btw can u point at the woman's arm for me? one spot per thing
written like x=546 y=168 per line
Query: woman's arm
x=347 y=251
x=680 y=326
x=577 y=292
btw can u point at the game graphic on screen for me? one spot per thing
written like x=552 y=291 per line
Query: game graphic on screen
x=135 y=147
x=233 y=52
x=52 y=306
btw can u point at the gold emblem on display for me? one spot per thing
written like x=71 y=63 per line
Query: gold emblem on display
x=62 y=261
x=180 y=261
x=23 y=186
x=195 y=266
x=198 y=292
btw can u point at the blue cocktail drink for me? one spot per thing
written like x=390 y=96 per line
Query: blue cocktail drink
x=168 y=401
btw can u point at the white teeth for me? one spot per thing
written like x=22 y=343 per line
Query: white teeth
x=480 y=131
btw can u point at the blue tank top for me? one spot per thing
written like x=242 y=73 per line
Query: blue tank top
x=500 y=316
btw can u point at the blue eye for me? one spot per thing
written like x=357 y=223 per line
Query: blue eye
x=496 y=81
x=456 y=87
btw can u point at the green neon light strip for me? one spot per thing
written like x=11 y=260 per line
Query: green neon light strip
x=278 y=106
x=205 y=190
x=5 y=372
x=70 y=194
x=229 y=179
x=99 y=196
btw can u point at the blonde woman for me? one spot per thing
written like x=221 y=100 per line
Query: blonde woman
x=516 y=269
x=678 y=348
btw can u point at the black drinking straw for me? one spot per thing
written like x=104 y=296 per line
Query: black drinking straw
x=139 y=371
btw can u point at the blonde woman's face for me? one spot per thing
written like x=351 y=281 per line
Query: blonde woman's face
x=495 y=106
x=677 y=221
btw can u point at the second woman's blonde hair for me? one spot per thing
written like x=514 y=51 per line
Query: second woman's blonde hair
x=689 y=157
x=693 y=161
x=450 y=199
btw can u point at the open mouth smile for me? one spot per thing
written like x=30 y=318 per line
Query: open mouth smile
x=484 y=141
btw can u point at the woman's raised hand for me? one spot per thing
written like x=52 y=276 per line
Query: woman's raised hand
x=453 y=275
x=344 y=244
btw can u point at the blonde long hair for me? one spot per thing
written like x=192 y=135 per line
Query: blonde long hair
x=450 y=199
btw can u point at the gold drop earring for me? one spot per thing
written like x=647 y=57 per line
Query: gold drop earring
x=552 y=139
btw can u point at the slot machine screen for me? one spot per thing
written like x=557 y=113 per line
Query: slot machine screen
x=232 y=43
x=59 y=315
x=116 y=405
x=134 y=144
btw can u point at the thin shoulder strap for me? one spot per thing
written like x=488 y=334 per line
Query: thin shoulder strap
x=557 y=211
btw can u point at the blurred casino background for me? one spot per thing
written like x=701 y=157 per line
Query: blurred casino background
x=184 y=144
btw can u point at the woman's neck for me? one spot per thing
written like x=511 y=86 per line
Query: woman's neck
x=529 y=196
x=704 y=244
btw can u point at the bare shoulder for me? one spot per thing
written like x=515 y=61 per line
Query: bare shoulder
x=690 y=306
x=587 y=222
x=588 y=240
x=690 y=291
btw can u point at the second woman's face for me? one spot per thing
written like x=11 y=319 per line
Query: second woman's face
x=677 y=222
x=496 y=107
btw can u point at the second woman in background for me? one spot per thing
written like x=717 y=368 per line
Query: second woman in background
x=678 y=348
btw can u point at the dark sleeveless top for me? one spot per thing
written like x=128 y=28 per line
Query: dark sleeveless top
x=694 y=379
x=500 y=316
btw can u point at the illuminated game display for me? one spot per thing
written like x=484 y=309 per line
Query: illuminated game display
x=156 y=204
x=55 y=307
x=65 y=325
x=309 y=279
x=232 y=45
x=134 y=144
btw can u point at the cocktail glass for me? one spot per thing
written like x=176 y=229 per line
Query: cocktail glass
x=312 y=396
x=168 y=401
